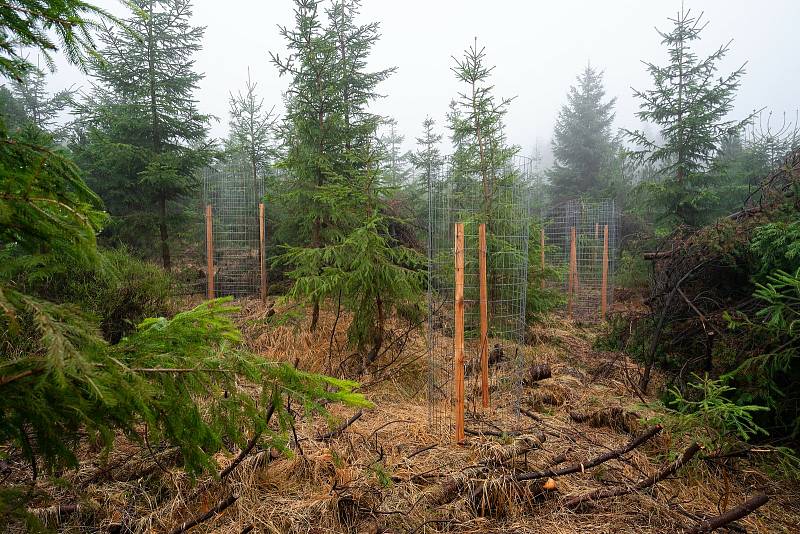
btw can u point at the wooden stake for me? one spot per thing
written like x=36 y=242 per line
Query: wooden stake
x=458 y=340
x=573 y=269
x=261 y=239
x=210 y=252
x=484 y=310
x=604 y=286
x=541 y=246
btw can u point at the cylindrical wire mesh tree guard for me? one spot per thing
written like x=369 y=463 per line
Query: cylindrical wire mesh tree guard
x=577 y=247
x=457 y=197
x=234 y=192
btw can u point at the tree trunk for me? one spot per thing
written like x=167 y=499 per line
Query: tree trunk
x=377 y=340
x=162 y=227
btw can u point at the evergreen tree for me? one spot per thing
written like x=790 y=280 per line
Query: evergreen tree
x=428 y=158
x=41 y=109
x=689 y=105
x=476 y=124
x=333 y=162
x=141 y=137
x=428 y=161
x=582 y=142
x=395 y=161
x=251 y=128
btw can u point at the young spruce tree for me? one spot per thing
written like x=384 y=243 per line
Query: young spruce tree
x=251 y=128
x=689 y=104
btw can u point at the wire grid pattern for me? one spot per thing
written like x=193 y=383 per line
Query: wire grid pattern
x=589 y=219
x=234 y=194
x=453 y=198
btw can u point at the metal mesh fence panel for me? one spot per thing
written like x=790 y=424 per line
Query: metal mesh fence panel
x=457 y=198
x=234 y=193
x=575 y=241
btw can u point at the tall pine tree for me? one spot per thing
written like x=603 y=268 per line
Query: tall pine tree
x=689 y=104
x=582 y=141
x=141 y=137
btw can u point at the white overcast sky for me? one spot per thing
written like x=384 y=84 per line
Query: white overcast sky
x=538 y=48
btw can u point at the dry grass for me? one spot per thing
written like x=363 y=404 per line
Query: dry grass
x=389 y=473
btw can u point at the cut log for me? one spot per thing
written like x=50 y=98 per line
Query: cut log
x=539 y=372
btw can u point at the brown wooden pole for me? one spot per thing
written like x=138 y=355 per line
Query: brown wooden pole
x=261 y=240
x=604 y=286
x=210 y=252
x=541 y=247
x=572 y=271
x=484 y=310
x=458 y=341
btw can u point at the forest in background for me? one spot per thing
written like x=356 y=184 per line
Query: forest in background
x=95 y=213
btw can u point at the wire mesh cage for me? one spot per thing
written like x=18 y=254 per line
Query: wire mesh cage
x=580 y=238
x=501 y=207
x=232 y=193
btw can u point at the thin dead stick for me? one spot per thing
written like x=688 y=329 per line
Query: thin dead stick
x=606 y=493
x=734 y=514
x=420 y=451
x=219 y=508
x=582 y=466
x=250 y=445
x=336 y=431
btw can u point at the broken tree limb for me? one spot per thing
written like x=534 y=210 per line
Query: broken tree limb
x=338 y=430
x=582 y=466
x=218 y=509
x=606 y=493
x=734 y=514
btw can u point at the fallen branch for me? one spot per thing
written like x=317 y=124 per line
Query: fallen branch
x=335 y=432
x=606 y=493
x=734 y=514
x=582 y=466
x=219 y=508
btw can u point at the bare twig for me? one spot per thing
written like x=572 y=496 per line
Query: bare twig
x=335 y=432
x=582 y=466
x=218 y=509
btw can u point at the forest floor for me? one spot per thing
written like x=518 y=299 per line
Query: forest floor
x=388 y=472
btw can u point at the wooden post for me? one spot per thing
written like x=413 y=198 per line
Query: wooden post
x=541 y=246
x=484 y=310
x=458 y=340
x=573 y=271
x=210 y=252
x=604 y=287
x=261 y=239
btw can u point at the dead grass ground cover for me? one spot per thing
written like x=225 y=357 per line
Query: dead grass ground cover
x=387 y=472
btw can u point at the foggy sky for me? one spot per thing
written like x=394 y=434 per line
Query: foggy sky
x=538 y=49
